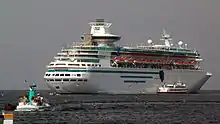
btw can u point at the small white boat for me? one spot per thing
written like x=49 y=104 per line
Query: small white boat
x=176 y=87
x=32 y=102
x=33 y=107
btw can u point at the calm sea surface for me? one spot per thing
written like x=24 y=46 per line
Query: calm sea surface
x=202 y=108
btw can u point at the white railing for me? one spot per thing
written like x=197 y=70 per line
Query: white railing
x=156 y=48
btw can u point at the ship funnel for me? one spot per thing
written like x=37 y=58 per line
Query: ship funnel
x=100 y=20
x=100 y=33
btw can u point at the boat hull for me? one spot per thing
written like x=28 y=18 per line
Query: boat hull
x=125 y=81
x=31 y=107
x=27 y=108
x=171 y=92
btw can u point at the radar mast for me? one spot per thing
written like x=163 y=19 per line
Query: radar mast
x=166 y=38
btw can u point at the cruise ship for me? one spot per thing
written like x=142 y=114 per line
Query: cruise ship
x=98 y=65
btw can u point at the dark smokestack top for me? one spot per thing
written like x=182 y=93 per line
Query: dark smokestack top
x=100 y=20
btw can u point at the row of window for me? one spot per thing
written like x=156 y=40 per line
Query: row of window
x=96 y=65
x=91 y=65
x=88 y=60
x=66 y=80
x=77 y=52
x=78 y=75
x=81 y=56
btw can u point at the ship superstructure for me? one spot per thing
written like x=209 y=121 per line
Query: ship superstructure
x=97 y=65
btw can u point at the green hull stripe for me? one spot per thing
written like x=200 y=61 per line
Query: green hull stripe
x=136 y=77
x=132 y=81
x=104 y=71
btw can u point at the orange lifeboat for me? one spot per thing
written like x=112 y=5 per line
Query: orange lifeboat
x=139 y=61
x=177 y=63
x=119 y=59
x=146 y=61
x=193 y=62
x=150 y=61
x=131 y=60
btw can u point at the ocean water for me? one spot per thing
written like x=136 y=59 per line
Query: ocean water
x=202 y=108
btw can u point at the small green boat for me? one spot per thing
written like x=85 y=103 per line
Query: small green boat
x=32 y=101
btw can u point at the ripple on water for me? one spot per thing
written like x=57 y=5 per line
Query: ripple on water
x=150 y=109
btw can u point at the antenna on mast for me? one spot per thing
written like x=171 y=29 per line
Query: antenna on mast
x=166 y=38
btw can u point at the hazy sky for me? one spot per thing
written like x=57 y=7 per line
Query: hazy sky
x=33 y=31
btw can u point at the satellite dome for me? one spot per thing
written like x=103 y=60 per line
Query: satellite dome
x=180 y=43
x=149 y=41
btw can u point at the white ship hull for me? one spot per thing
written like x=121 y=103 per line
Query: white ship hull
x=124 y=81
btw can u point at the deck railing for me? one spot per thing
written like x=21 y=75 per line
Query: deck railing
x=132 y=49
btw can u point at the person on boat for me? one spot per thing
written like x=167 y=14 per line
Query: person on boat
x=34 y=97
x=25 y=100
x=20 y=99
x=32 y=91
x=33 y=101
x=39 y=99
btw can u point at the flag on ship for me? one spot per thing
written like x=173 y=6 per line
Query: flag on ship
x=161 y=74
